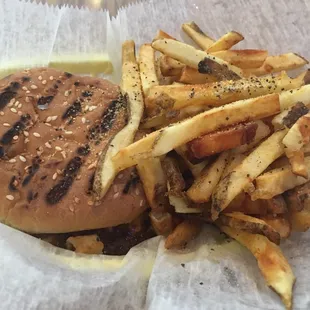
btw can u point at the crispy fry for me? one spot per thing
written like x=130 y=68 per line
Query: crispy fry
x=170 y=66
x=234 y=160
x=300 y=220
x=277 y=181
x=251 y=167
x=279 y=223
x=182 y=204
x=189 y=55
x=147 y=68
x=183 y=233
x=222 y=140
x=294 y=141
x=276 y=205
x=250 y=224
x=154 y=182
x=217 y=93
x=164 y=140
x=204 y=185
x=174 y=175
x=197 y=35
x=271 y=262
x=243 y=59
x=190 y=75
x=163 y=35
x=278 y=63
x=131 y=86
x=161 y=221
x=225 y=42
x=89 y=244
x=298 y=197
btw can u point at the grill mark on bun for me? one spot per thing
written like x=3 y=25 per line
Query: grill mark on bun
x=108 y=118
x=62 y=187
x=83 y=150
x=32 y=170
x=73 y=110
x=15 y=130
x=2 y=152
x=44 y=102
x=8 y=94
x=13 y=184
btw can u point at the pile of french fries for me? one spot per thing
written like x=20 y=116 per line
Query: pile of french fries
x=226 y=139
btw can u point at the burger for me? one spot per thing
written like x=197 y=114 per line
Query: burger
x=54 y=127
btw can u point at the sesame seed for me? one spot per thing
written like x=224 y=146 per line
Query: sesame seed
x=59 y=171
x=20 y=106
x=51 y=78
x=27 y=99
x=1 y=113
x=6 y=125
x=86 y=108
x=27 y=91
x=26 y=133
x=141 y=203
x=33 y=86
x=78 y=177
x=44 y=82
x=66 y=144
x=58 y=148
x=93 y=165
x=16 y=103
x=10 y=104
x=77 y=200
x=71 y=208
x=115 y=195
x=24 y=88
x=120 y=176
x=15 y=138
x=13 y=110
x=9 y=197
x=83 y=120
x=115 y=188
x=48 y=145
x=137 y=192
x=40 y=78
x=54 y=117
x=49 y=118
x=12 y=161
x=93 y=107
x=22 y=158
x=55 y=175
x=66 y=93
x=26 y=140
x=20 y=113
x=36 y=134
x=64 y=154
x=90 y=203
x=68 y=132
x=48 y=124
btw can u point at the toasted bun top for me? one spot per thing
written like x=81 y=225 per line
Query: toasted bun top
x=53 y=125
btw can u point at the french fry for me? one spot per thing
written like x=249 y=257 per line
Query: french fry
x=166 y=139
x=163 y=35
x=218 y=93
x=250 y=168
x=147 y=68
x=279 y=223
x=278 y=63
x=243 y=59
x=277 y=181
x=154 y=182
x=197 y=35
x=161 y=221
x=300 y=220
x=276 y=205
x=271 y=262
x=298 y=197
x=234 y=160
x=183 y=233
x=170 y=66
x=88 y=244
x=250 y=224
x=294 y=141
x=204 y=185
x=223 y=140
x=190 y=56
x=190 y=75
x=163 y=80
x=225 y=42
x=131 y=87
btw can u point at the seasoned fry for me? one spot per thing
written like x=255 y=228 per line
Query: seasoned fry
x=250 y=224
x=278 y=63
x=298 y=197
x=147 y=68
x=166 y=139
x=183 y=233
x=218 y=93
x=163 y=35
x=225 y=42
x=190 y=75
x=154 y=182
x=243 y=59
x=190 y=56
x=197 y=35
x=223 y=140
x=251 y=167
x=234 y=160
x=170 y=66
x=279 y=223
x=131 y=87
x=182 y=204
x=204 y=185
x=277 y=181
x=294 y=141
x=89 y=244
x=271 y=262
x=174 y=175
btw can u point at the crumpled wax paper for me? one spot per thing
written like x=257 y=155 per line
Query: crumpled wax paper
x=213 y=272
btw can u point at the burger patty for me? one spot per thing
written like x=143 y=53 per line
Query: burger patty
x=53 y=127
